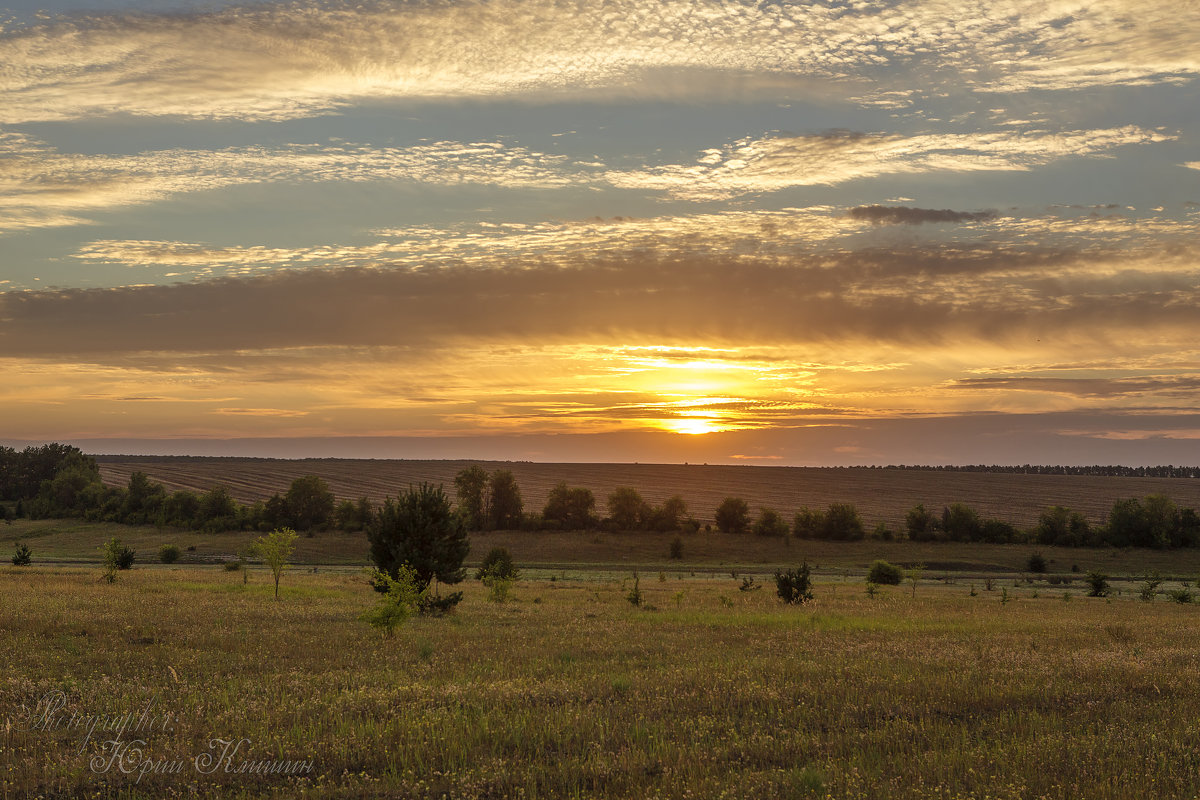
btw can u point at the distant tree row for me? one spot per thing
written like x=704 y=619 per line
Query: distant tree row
x=58 y=480
x=1154 y=521
x=68 y=485
x=493 y=502
x=1110 y=470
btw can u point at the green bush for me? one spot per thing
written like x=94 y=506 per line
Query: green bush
x=1181 y=595
x=770 y=523
x=168 y=554
x=1036 y=563
x=115 y=557
x=794 y=586
x=498 y=563
x=883 y=573
x=677 y=548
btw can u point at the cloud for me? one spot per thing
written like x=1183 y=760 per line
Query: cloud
x=917 y=295
x=42 y=187
x=782 y=161
x=1182 y=386
x=286 y=60
x=903 y=215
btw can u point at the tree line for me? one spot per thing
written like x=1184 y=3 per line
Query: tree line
x=58 y=480
x=1103 y=470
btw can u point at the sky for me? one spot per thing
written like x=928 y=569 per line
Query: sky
x=833 y=232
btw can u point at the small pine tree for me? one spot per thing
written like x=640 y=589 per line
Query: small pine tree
x=1097 y=584
x=794 y=586
x=23 y=557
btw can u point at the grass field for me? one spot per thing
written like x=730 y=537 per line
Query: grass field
x=73 y=541
x=880 y=495
x=570 y=691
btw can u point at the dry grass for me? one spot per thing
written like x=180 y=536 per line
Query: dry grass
x=570 y=691
x=881 y=495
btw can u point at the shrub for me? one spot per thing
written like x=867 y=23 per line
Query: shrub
x=168 y=553
x=233 y=566
x=23 y=557
x=1181 y=595
x=1150 y=586
x=498 y=585
x=400 y=598
x=733 y=515
x=883 y=573
x=498 y=563
x=794 y=586
x=635 y=594
x=115 y=557
x=677 y=548
x=842 y=523
x=1097 y=584
x=807 y=523
x=770 y=523
x=1036 y=563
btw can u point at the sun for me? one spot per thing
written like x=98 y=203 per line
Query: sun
x=693 y=426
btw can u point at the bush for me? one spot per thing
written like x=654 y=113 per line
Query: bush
x=770 y=523
x=1097 y=584
x=794 y=586
x=1036 y=563
x=1181 y=595
x=400 y=598
x=498 y=563
x=733 y=515
x=168 y=554
x=115 y=557
x=883 y=573
x=677 y=548
x=23 y=557
x=842 y=523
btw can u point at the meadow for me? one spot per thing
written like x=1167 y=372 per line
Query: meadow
x=568 y=690
x=880 y=495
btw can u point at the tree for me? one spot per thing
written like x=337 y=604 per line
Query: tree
x=842 y=523
x=275 y=549
x=627 y=510
x=504 y=502
x=309 y=503
x=922 y=525
x=23 y=556
x=218 y=509
x=471 y=486
x=420 y=529
x=770 y=523
x=961 y=523
x=1061 y=526
x=570 y=508
x=808 y=523
x=670 y=516
x=913 y=574
x=351 y=516
x=733 y=515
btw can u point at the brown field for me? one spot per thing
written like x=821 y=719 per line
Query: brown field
x=880 y=495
